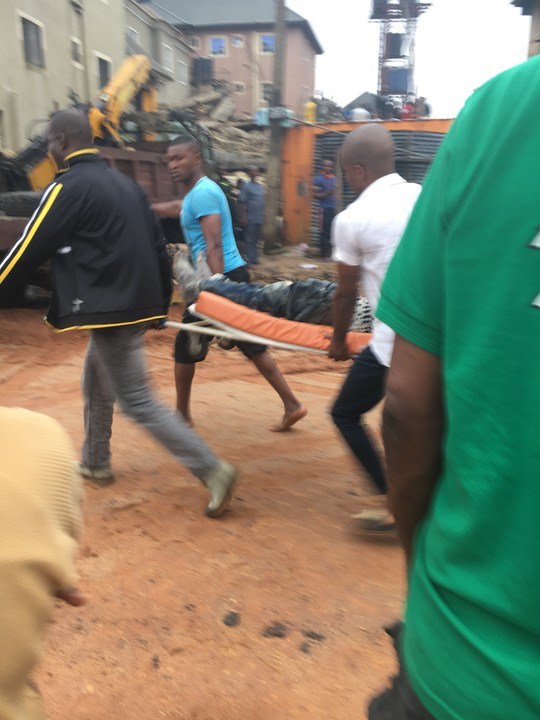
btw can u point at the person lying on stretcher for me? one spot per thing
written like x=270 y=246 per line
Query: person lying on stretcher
x=308 y=301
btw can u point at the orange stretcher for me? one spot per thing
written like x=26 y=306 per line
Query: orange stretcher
x=223 y=318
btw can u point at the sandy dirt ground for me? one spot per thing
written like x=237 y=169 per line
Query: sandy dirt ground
x=273 y=612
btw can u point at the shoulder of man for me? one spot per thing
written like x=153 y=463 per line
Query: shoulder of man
x=209 y=186
x=206 y=197
x=414 y=189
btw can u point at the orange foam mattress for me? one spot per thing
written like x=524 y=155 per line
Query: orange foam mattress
x=265 y=326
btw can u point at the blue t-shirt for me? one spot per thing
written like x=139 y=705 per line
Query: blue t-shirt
x=325 y=183
x=207 y=198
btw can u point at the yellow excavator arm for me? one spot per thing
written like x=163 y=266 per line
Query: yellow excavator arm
x=130 y=80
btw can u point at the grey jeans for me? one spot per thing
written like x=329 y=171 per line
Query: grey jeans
x=115 y=370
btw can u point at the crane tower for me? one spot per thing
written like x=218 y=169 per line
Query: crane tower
x=398 y=21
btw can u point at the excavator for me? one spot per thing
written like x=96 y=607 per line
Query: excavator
x=24 y=175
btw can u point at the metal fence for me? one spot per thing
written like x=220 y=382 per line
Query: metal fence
x=415 y=151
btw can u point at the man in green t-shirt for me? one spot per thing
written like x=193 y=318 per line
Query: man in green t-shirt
x=462 y=417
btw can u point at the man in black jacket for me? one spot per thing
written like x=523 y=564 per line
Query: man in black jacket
x=110 y=275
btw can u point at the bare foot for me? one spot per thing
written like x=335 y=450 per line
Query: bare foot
x=290 y=418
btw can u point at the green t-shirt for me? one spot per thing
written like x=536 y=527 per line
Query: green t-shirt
x=464 y=284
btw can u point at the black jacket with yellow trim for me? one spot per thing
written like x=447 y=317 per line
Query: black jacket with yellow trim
x=110 y=264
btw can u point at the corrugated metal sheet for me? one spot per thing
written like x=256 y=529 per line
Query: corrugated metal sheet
x=414 y=154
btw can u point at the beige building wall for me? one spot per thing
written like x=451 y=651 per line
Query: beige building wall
x=249 y=70
x=58 y=33
x=299 y=71
x=165 y=44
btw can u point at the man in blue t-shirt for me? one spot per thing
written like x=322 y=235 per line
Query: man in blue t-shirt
x=324 y=190
x=207 y=226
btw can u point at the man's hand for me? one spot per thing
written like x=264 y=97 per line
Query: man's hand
x=413 y=428
x=169 y=209
x=338 y=350
x=211 y=229
x=344 y=302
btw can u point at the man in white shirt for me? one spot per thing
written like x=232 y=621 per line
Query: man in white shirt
x=365 y=236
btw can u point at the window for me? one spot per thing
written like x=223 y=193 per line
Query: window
x=267 y=44
x=237 y=41
x=167 y=59
x=239 y=88
x=104 y=70
x=194 y=42
x=183 y=73
x=133 y=34
x=77 y=51
x=217 y=46
x=267 y=92
x=34 y=53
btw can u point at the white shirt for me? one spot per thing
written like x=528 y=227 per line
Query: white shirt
x=366 y=235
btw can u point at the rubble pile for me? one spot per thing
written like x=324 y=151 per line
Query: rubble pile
x=237 y=143
x=236 y=148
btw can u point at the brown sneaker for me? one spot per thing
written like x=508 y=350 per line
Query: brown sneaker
x=221 y=483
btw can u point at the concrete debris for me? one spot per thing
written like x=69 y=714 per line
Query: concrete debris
x=238 y=149
x=237 y=143
x=223 y=110
x=202 y=99
x=233 y=146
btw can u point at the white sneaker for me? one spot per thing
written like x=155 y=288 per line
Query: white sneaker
x=101 y=476
x=221 y=483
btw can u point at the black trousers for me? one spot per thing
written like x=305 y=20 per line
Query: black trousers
x=361 y=391
x=398 y=702
x=328 y=214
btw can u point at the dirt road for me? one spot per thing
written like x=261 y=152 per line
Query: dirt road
x=273 y=612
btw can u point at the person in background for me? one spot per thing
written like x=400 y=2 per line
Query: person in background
x=40 y=526
x=462 y=418
x=325 y=192
x=239 y=187
x=310 y=111
x=228 y=190
x=365 y=236
x=409 y=109
x=251 y=205
x=423 y=108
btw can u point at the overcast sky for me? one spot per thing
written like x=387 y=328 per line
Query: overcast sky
x=460 y=44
